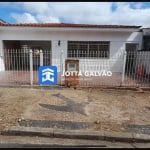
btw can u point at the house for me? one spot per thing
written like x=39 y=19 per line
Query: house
x=95 y=46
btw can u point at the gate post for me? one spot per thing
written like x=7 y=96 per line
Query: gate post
x=2 y=59
x=124 y=66
x=41 y=58
x=61 y=66
x=31 y=67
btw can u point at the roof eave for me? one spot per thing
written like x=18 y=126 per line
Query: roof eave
x=68 y=28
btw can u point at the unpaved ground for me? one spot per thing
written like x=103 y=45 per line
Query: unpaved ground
x=108 y=109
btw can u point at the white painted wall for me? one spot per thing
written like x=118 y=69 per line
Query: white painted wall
x=117 y=44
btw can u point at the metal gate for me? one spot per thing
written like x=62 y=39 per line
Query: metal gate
x=19 y=67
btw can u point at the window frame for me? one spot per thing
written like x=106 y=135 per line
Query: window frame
x=74 y=53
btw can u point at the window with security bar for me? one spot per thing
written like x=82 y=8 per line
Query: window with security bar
x=88 y=49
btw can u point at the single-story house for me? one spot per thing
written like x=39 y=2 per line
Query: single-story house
x=95 y=46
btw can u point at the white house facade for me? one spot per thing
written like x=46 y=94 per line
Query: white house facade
x=64 y=40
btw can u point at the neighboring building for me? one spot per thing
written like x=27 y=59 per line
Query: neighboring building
x=144 y=57
x=146 y=39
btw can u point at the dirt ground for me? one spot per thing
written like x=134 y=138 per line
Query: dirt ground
x=107 y=109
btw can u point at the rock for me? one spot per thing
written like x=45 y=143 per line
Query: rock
x=19 y=120
x=97 y=122
x=22 y=118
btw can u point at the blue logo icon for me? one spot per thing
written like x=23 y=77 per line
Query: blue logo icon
x=47 y=75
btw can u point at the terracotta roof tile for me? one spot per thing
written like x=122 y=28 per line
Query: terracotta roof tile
x=67 y=25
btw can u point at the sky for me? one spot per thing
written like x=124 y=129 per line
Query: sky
x=106 y=13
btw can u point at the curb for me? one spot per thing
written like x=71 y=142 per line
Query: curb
x=77 y=134
x=132 y=88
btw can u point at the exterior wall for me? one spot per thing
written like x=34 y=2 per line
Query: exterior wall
x=117 y=48
x=117 y=44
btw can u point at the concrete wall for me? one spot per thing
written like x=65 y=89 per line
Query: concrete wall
x=117 y=44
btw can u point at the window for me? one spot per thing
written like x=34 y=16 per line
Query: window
x=88 y=49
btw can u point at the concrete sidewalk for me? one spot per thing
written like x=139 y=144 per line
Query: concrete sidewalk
x=111 y=115
x=77 y=134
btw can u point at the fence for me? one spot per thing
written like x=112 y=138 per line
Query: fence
x=96 y=68
x=19 y=67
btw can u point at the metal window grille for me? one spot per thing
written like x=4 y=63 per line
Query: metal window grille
x=88 y=49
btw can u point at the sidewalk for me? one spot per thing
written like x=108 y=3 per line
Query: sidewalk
x=95 y=114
